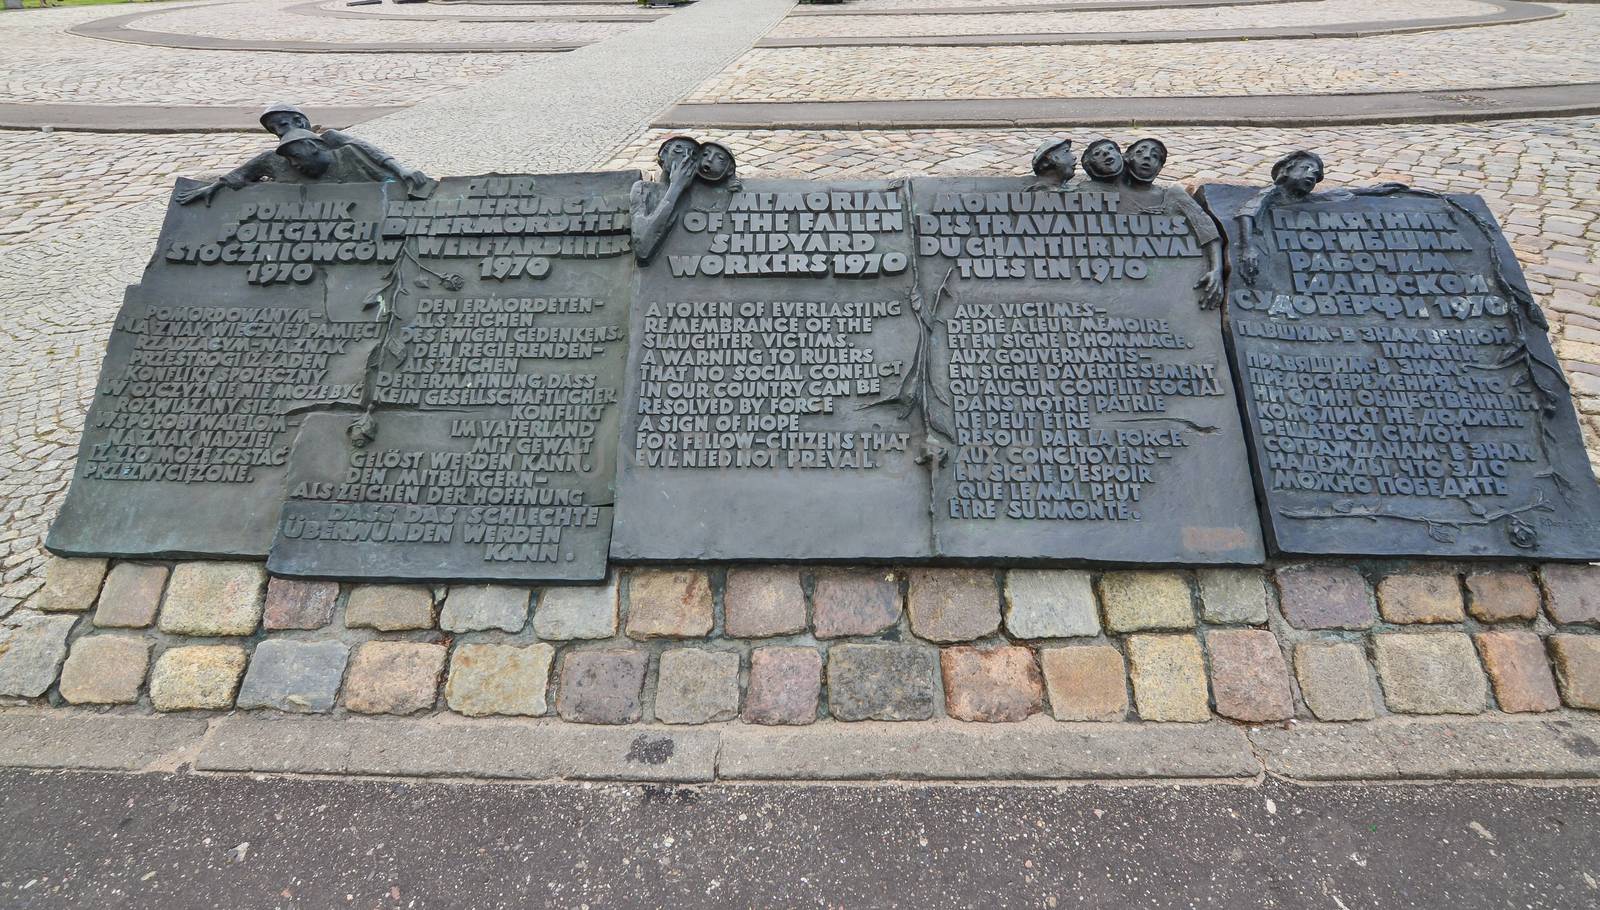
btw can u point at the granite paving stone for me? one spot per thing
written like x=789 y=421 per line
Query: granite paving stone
x=1571 y=593
x=478 y=608
x=950 y=605
x=881 y=682
x=785 y=686
x=1050 y=603
x=1085 y=682
x=1249 y=679
x=1517 y=665
x=70 y=585
x=602 y=687
x=214 y=599
x=697 y=686
x=763 y=602
x=32 y=647
x=296 y=604
x=1577 y=663
x=1428 y=596
x=1169 y=678
x=849 y=602
x=105 y=670
x=490 y=679
x=394 y=677
x=300 y=677
x=131 y=596
x=669 y=604
x=570 y=612
x=1335 y=680
x=1502 y=596
x=197 y=677
x=1233 y=596
x=1430 y=673
x=389 y=608
x=991 y=685
x=1146 y=601
x=1324 y=597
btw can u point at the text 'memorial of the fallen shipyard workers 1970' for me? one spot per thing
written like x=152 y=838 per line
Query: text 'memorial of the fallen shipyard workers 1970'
x=1401 y=392
x=483 y=444
x=1079 y=404
x=769 y=321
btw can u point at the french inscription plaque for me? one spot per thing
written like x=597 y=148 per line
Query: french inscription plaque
x=769 y=333
x=1401 y=393
x=1078 y=384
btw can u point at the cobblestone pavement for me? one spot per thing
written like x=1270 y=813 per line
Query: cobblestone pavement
x=272 y=20
x=42 y=63
x=1552 y=51
x=1323 y=12
x=467 y=10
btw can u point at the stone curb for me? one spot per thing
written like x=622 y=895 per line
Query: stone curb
x=89 y=741
x=1554 y=747
x=1099 y=7
x=1039 y=749
x=318 y=9
x=117 y=28
x=1398 y=749
x=441 y=747
x=1506 y=12
x=1464 y=105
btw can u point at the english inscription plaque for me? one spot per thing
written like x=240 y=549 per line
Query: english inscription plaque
x=769 y=332
x=1078 y=377
x=1401 y=393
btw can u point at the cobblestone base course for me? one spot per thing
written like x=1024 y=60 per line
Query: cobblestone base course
x=275 y=20
x=946 y=653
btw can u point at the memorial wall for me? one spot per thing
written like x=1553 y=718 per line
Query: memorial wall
x=355 y=371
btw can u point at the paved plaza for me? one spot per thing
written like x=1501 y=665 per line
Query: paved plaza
x=103 y=107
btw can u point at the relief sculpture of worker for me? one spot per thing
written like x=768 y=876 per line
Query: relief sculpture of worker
x=349 y=160
x=683 y=162
x=1142 y=164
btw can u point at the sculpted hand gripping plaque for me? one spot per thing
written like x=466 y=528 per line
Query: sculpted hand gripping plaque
x=1402 y=396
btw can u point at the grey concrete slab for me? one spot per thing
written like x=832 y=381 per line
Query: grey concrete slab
x=446 y=746
x=568 y=112
x=32 y=738
x=1454 y=105
x=1506 y=12
x=167 y=118
x=1038 y=749
x=184 y=842
x=1489 y=746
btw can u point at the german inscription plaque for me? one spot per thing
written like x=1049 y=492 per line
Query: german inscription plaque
x=1401 y=393
x=485 y=446
x=1078 y=374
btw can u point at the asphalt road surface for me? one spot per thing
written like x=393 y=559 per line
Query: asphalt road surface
x=188 y=841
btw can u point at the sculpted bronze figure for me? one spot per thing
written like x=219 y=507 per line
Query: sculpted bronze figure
x=1141 y=166
x=1102 y=162
x=274 y=165
x=1054 y=164
x=655 y=205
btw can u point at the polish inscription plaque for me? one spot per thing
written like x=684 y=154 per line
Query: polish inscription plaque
x=484 y=448
x=1401 y=393
x=1078 y=383
x=769 y=336
x=248 y=317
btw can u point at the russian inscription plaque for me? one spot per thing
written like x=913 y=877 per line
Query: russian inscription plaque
x=1401 y=393
x=1079 y=383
